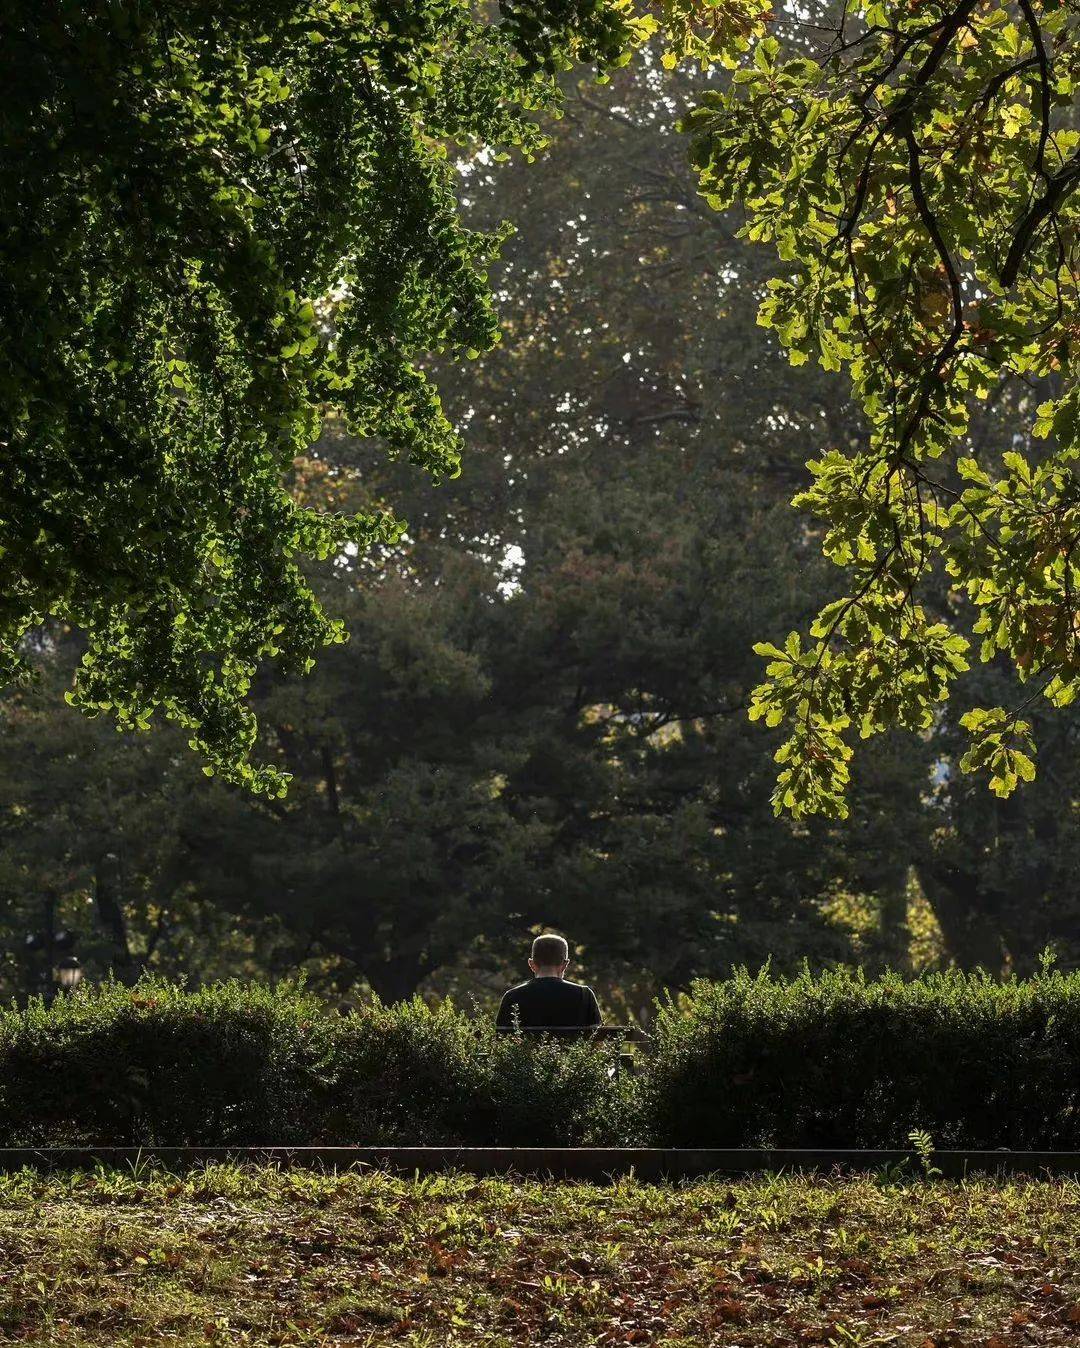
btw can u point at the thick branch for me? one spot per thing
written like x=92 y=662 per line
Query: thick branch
x=1059 y=186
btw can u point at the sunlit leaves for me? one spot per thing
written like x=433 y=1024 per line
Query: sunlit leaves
x=915 y=176
x=710 y=30
x=1001 y=745
x=218 y=224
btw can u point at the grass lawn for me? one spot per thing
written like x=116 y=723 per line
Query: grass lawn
x=262 y=1256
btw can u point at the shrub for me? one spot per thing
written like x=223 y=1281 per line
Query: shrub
x=840 y=1061
x=828 y=1061
x=410 y=1075
x=236 y=1065
x=227 y=1064
x=553 y=1095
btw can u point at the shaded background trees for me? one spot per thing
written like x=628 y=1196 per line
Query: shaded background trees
x=541 y=715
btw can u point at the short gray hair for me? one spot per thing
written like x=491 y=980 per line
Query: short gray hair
x=549 y=950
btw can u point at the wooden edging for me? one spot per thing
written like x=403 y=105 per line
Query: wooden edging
x=585 y=1163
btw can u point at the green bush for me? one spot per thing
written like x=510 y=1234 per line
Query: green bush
x=840 y=1061
x=156 y=1064
x=827 y=1061
x=236 y=1065
x=410 y=1075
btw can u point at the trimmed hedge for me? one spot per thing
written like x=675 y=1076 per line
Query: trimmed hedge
x=837 y=1060
x=236 y=1065
x=827 y=1061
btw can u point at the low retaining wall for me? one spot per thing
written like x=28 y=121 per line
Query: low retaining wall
x=583 y=1163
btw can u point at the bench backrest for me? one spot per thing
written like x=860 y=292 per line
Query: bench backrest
x=626 y=1034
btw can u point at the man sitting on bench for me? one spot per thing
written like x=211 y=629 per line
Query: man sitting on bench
x=549 y=998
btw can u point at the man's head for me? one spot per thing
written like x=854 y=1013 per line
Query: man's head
x=550 y=956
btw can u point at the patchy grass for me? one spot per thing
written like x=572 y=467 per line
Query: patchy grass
x=261 y=1256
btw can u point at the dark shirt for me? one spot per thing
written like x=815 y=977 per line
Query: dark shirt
x=549 y=1001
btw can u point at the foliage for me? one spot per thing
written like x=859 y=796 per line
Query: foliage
x=841 y=1061
x=218 y=224
x=409 y=1074
x=155 y=1064
x=542 y=701
x=540 y=717
x=831 y=1061
x=716 y=30
x=287 y=1257
x=218 y=233
x=914 y=169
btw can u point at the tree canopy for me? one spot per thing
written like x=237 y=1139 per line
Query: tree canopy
x=541 y=715
x=914 y=167
x=221 y=228
x=219 y=224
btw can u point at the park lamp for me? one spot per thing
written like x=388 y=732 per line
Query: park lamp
x=69 y=973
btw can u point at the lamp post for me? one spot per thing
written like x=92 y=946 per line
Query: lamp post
x=69 y=973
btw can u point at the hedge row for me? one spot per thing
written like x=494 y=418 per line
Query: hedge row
x=250 y=1065
x=842 y=1061
x=833 y=1060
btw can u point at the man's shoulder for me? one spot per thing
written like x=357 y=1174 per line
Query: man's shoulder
x=519 y=987
x=578 y=987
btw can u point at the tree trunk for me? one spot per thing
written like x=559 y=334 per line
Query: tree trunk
x=333 y=798
x=893 y=923
x=392 y=980
x=110 y=912
x=966 y=915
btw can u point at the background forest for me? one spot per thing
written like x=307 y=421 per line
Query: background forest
x=540 y=718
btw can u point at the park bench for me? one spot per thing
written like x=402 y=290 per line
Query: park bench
x=625 y=1034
